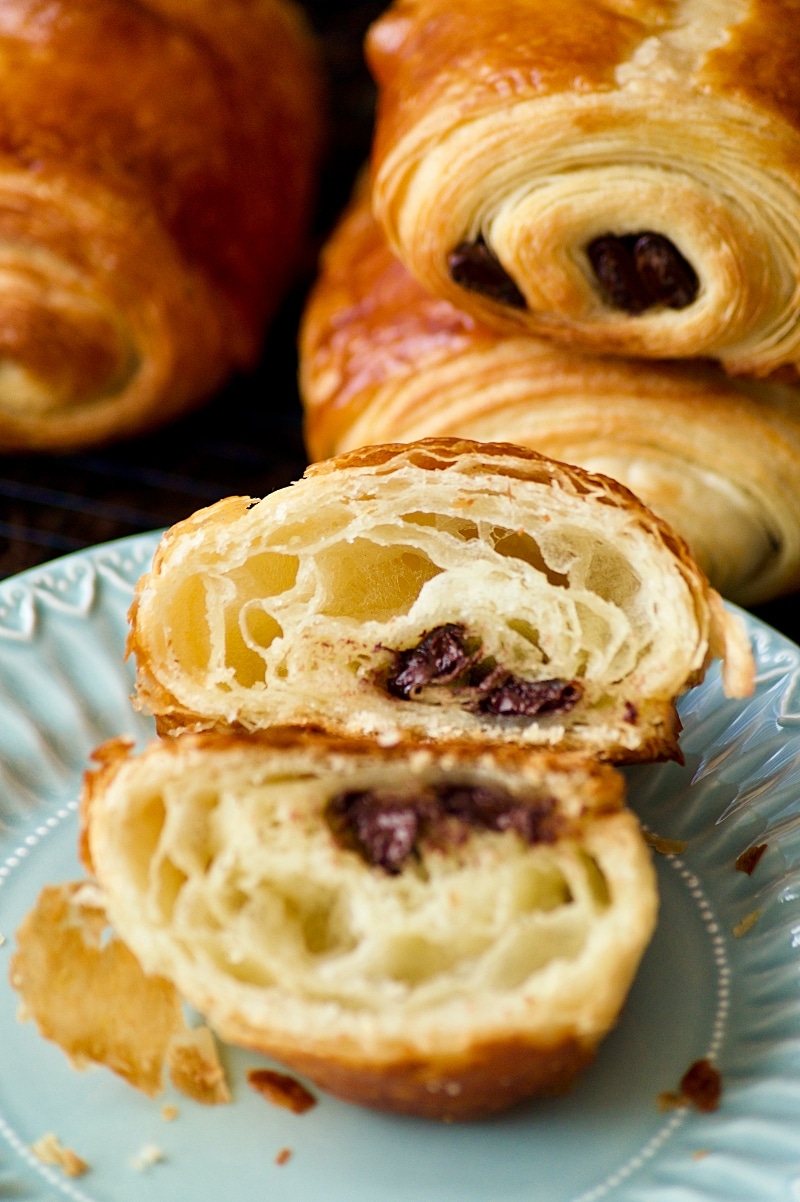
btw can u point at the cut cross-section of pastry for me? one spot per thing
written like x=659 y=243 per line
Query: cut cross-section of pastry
x=436 y=933
x=439 y=589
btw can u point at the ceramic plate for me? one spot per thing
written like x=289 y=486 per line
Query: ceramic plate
x=703 y=989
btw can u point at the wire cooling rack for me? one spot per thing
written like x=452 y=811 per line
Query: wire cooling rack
x=246 y=441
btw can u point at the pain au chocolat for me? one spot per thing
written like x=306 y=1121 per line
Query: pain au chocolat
x=441 y=934
x=719 y=459
x=443 y=589
x=158 y=162
x=621 y=175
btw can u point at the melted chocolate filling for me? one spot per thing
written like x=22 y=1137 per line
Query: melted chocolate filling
x=445 y=656
x=526 y=698
x=439 y=658
x=473 y=266
x=387 y=829
x=639 y=271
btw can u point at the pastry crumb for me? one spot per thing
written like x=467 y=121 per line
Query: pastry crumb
x=146 y=1157
x=49 y=1150
x=665 y=847
x=700 y=1086
x=281 y=1090
x=2 y=940
x=748 y=860
x=169 y=1112
x=747 y=923
x=283 y=1156
x=86 y=990
x=195 y=1069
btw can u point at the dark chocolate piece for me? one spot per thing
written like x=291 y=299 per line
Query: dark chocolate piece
x=439 y=658
x=613 y=265
x=382 y=828
x=533 y=821
x=667 y=277
x=386 y=829
x=639 y=271
x=515 y=698
x=473 y=266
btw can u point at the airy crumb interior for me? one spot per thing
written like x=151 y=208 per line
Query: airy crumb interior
x=251 y=880
x=326 y=608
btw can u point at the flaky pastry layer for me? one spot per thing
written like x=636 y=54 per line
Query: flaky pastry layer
x=517 y=175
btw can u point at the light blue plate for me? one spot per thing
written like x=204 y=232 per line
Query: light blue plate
x=701 y=991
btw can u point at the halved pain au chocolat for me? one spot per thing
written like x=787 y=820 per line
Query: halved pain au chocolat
x=439 y=590
x=469 y=951
x=637 y=272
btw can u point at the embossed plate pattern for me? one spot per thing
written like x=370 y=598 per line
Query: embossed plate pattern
x=701 y=989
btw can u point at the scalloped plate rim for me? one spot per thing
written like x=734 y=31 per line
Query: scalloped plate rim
x=646 y=1175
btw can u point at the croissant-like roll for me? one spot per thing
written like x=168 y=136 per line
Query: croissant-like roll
x=438 y=934
x=622 y=175
x=382 y=359
x=442 y=589
x=157 y=169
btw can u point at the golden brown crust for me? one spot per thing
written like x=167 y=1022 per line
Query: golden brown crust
x=485 y=1081
x=105 y=759
x=603 y=785
x=88 y=993
x=599 y=119
x=281 y=1090
x=157 y=164
x=383 y=359
x=421 y=48
x=757 y=63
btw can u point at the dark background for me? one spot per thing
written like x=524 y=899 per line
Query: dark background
x=248 y=439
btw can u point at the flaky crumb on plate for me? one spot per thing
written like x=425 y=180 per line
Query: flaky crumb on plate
x=281 y=1089
x=195 y=1068
x=146 y=1157
x=747 y=924
x=49 y=1150
x=87 y=992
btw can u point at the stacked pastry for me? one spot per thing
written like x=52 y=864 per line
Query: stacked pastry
x=382 y=839
x=157 y=174
x=565 y=198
